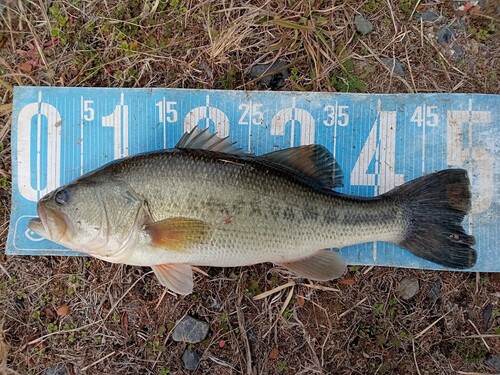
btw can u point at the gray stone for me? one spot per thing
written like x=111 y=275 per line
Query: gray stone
x=191 y=359
x=445 y=36
x=435 y=291
x=394 y=65
x=274 y=73
x=487 y=313
x=362 y=25
x=494 y=362
x=57 y=369
x=190 y=330
x=458 y=52
x=428 y=16
x=408 y=287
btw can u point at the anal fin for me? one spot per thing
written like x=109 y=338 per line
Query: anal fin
x=322 y=266
x=176 y=277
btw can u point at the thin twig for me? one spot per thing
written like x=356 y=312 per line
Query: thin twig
x=273 y=291
x=99 y=360
x=244 y=337
x=415 y=357
x=481 y=337
x=432 y=324
x=352 y=308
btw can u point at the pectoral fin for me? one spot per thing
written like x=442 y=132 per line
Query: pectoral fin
x=177 y=233
x=176 y=277
x=322 y=266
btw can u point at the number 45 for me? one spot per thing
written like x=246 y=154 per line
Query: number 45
x=425 y=115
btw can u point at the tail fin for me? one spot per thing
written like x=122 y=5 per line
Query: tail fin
x=435 y=206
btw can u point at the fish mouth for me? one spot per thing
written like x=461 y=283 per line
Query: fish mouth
x=50 y=224
x=36 y=226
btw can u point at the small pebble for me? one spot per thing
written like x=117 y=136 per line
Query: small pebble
x=428 y=16
x=275 y=73
x=445 y=36
x=190 y=330
x=487 y=313
x=394 y=65
x=191 y=359
x=408 y=287
x=458 y=52
x=362 y=25
x=58 y=369
x=494 y=362
x=435 y=291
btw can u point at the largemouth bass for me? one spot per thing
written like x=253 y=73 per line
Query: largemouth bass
x=206 y=203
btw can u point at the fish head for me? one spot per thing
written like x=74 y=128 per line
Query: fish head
x=97 y=217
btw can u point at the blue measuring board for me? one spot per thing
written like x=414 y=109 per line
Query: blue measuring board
x=380 y=141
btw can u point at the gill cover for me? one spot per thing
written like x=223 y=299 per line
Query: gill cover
x=101 y=216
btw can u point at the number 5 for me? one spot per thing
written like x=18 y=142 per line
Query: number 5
x=87 y=108
x=457 y=155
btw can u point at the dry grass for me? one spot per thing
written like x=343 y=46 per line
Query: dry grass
x=119 y=318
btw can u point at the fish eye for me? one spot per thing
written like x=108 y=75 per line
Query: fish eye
x=61 y=197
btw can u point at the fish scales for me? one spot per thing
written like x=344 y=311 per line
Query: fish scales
x=254 y=209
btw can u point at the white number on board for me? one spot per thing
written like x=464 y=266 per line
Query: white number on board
x=460 y=123
x=166 y=111
x=32 y=190
x=381 y=146
x=207 y=113
x=294 y=115
x=88 y=110
x=425 y=115
x=336 y=115
x=118 y=120
x=251 y=114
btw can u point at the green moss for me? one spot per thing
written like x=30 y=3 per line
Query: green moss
x=281 y=365
x=346 y=79
x=4 y=182
x=472 y=351
x=371 y=6
x=408 y=5
x=482 y=33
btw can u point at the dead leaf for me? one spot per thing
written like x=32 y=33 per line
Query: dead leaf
x=274 y=353
x=49 y=313
x=474 y=10
x=63 y=310
x=300 y=300
x=124 y=321
x=26 y=67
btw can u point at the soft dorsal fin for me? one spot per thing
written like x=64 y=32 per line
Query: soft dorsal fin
x=314 y=161
x=198 y=139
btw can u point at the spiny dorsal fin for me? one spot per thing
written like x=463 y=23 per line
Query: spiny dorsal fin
x=314 y=161
x=198 y=139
